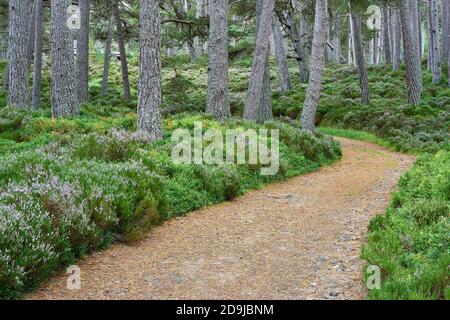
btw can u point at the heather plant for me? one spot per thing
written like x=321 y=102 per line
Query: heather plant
x=92 y=180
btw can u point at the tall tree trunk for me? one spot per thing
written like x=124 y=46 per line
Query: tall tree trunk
x=217 y=98
x=434 y=41
x=352 y=35
x=375 y=48
x=18 y=91
x=123 y=54
x=349 y=59
x=198 y=14
x=446 y=33
x=397 y=41
x=415 y=24
x=336 y=38
x=64 y=97
x=83 y=52
x=106 y=63
x=445 y=29
x=304 y=49
x=308 y=118
x=31 y=33
x=280 y=53
x=297 y=43
x=265 y=105
x=413 y=68
x=360 y=61
x=149 y=86
x=386 y=36
x=37 y=71
x=256 y=86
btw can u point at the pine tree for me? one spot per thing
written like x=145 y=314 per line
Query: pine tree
x=217 y=98
x=18 y=91
x=308 y=118
x=64 y=96
x=149 y=86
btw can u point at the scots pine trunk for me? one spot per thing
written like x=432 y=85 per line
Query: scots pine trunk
x=106 y=63
x=386 y=36
x=434 y=41
x=280 y=53
x=31 y=32
x=446 y=34
x=296 y=40
x=412 y=61
x=397 y=41
x=308 y=118
x=217 y=102
x=415 y=24
x=83 y=52
x=149 y=85
x=198 y=14
x=445 y=30
x=37 y=68
x=360 y=61
x=123 y=54
x=265 y=105
x=64 y=96
x=256 y=86
x=336 y=38
x=304 y=50
x=352 y=36
x=18 y=91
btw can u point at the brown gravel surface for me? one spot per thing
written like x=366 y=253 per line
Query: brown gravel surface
x=298 y=239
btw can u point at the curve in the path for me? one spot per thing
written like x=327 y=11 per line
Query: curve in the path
x=299 y=239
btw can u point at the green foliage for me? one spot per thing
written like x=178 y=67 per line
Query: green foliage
x=70 y=186
x=389 y=117
x=411 y=242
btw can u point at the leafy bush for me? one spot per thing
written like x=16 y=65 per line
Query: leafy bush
x=411 y=242
x=74 y=185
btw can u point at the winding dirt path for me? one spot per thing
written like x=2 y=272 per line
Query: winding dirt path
x=299 y=239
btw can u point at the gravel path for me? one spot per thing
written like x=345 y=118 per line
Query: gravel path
x=299 y=239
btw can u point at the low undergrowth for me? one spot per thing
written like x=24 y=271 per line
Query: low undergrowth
x=411 y=241
x=71 y=186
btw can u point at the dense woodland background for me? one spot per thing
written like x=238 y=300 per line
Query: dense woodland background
x=86 y=116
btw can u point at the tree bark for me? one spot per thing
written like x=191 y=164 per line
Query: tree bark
x=445 y=29
x=123 y=54
x=255 y=88
x=298 y=43
x=397 y=41
x=413 y=68
x=106 y=63
x=83 y=52
x=308 y=118
x=386 y=36
x=265 y=105
x=198 y=14
x=304 y=50
x=415 y=25
x=280 y=53
x=31 y=33
x=64 y=97
x=360 y=61
x=149 y=85
x=217 y=98
x=434 y=41
x=37 y=68
x=18 y=91
x=336 y=38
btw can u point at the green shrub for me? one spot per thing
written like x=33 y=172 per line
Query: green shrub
x=411 y=242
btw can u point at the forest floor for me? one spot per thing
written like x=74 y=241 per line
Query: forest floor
x=298 y=239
